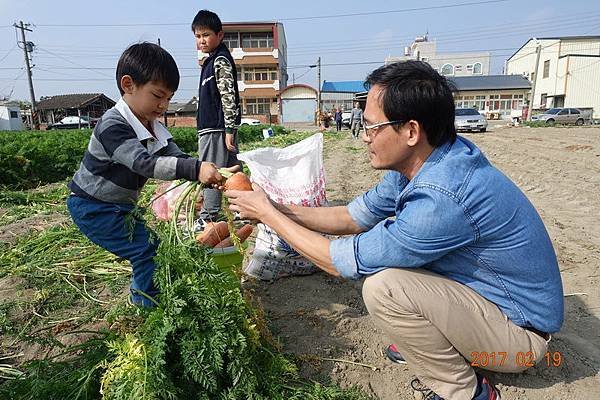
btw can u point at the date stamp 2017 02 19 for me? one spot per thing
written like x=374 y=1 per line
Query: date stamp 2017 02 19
x=484 y=359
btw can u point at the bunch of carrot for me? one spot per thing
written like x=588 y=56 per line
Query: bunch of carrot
x=219 y=234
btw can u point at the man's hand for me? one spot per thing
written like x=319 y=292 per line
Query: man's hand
x=251 y=205
x=209 y=174
x=229 y=142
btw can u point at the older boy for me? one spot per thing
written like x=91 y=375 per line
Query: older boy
x=218 y=105
x=127 y=147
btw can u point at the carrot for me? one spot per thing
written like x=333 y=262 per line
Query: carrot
x=213 y=234
x=238 y=181
x=241 y=234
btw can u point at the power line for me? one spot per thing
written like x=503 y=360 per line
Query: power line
x=359 y=14
x=404 y=10
x=7 y=54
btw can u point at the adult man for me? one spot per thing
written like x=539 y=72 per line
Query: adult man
x=356 y=116
x=466 y=268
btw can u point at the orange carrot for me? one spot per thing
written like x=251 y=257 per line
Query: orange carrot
x=241 y=233
x=213 y=234
x=238 y=181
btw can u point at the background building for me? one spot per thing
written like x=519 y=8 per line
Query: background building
x=259 y=50
x=10 y=117
x=53 y=108
x=496 y=96
x=567 y=73
x=298 y=104
x=448 y=64
x=339 y=94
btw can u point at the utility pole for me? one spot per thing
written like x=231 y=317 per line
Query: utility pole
x=27 y=48
x=319 y=87
x=538 y=50
x=165 y=113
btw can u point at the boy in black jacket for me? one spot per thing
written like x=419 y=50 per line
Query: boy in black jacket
x=219 y=111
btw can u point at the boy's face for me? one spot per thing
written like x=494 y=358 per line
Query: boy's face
x=148 y=101
x=207 y=40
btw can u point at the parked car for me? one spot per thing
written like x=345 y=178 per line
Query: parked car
x=469 y=119
x=249 y=121
x=74 y=122
x=561 y=116
x=346 y=118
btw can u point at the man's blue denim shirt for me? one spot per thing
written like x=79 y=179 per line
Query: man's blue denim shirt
x=462 y=218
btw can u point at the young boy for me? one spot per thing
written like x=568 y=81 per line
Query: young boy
x=127 y=147
x=219 y=111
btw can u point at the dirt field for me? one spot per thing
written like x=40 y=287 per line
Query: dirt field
x=559 y=170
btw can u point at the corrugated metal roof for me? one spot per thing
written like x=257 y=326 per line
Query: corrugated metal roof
x=343 y=86
x=490 y=82
x=65 y=101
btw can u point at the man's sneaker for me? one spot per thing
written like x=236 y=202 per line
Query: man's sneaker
x=394 y=355
x=485 y=390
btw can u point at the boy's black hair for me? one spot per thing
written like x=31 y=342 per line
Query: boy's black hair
x=414 y=90
x=146 y=62
x=207 y=19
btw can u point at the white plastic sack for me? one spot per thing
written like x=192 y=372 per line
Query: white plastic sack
x=292 y=175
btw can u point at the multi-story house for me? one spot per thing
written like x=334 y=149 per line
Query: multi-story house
x=260 y=53
x=448 y=64
x=567 y=75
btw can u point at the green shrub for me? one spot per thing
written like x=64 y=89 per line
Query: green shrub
x=32 y=158
x=253 y=133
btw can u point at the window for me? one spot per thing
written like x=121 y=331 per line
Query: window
x=543 y=98
x=231 y=40
x=564 y=112
x=14 y=114
x=479 y=103
x=574 y=111
x=257 y=40
x=477 y=68
x=258 y=106
x=448 y=69
x=532 y=76
x=546 y=69
x=260 y=74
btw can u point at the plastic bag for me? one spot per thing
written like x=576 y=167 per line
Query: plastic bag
x=292 y=175
x=164 y=206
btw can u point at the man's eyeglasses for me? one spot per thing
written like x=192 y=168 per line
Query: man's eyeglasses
x=370 y=131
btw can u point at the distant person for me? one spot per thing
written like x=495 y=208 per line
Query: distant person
x=219 y=112
x=128 y=146
x=459 y=268
x=355 y=119
x=338 y=119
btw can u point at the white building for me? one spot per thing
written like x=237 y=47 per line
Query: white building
x=448 y=64
x=568 y=71
x=10 y=117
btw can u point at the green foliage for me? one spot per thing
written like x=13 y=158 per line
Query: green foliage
x=17 y=205
x=32 y=158
x=76 y=378
x=538 y=124
x=253 y=133
x=28 y=159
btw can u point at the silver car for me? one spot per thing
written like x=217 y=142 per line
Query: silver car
x=469 y=119
x=561 y=116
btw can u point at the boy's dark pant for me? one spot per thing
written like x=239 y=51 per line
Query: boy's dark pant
x=211 y=147
x=104 y=224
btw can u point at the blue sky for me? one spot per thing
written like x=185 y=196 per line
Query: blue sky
x=82 y=59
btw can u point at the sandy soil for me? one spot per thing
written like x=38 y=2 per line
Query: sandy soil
x=320 y=317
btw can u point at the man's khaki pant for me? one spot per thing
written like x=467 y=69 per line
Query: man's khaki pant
x=441 y=326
